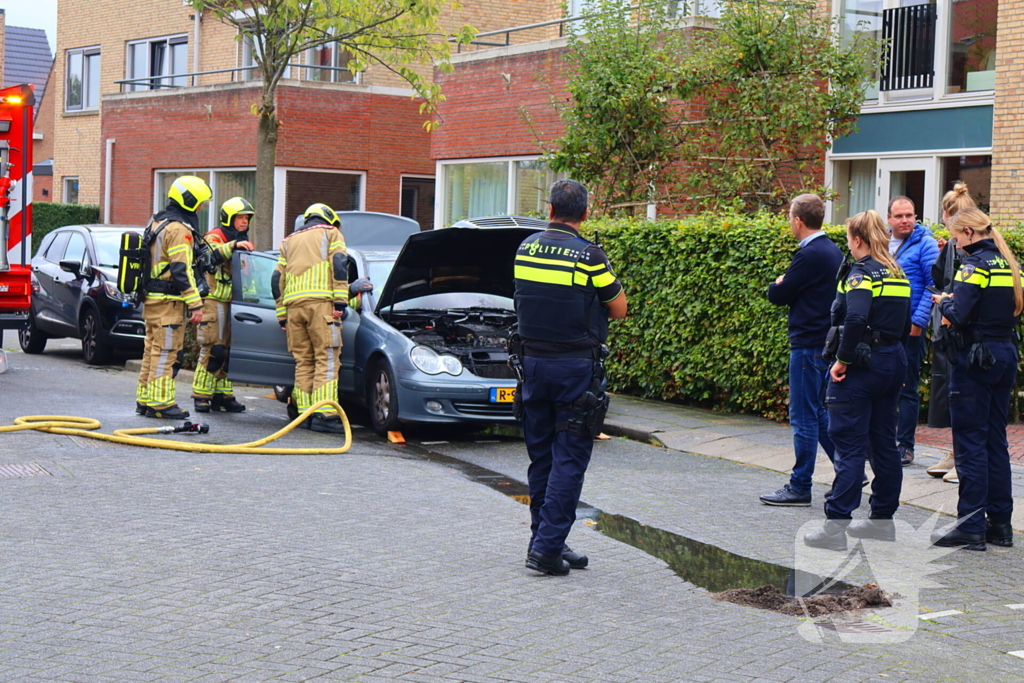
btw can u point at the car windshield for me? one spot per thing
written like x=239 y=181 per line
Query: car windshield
x=108 y=247
x=380 y=270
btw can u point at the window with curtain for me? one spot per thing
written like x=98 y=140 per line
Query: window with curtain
x=475 y=189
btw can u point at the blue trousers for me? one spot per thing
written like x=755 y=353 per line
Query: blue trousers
x=979 y=401
x=910 y=399
x=807 y=414
x=558 y=459
x=862 y=424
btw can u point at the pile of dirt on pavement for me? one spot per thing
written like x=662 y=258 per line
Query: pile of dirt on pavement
x=769 y=597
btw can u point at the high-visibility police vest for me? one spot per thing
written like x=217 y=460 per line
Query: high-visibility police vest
x=555 y=298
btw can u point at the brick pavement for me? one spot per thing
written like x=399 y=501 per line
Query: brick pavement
x=943 y=438
x=139 y=565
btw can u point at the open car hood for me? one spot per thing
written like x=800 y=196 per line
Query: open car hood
x=478 y=260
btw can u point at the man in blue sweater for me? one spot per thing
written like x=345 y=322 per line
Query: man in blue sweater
x=915 y=250
x=808 y=287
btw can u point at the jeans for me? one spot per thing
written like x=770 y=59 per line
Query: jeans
x=807 y=414
x=862 y=423
x=979 y=402
x=910 y=400
x=558 y=459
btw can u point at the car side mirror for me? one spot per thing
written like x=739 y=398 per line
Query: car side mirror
x=73 y=267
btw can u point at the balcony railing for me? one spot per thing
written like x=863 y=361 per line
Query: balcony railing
x=909 y=35
x=238 y=74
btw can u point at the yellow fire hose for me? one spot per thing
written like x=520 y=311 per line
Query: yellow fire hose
x=81 y=426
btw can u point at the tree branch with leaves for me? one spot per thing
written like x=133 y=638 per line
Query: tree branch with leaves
x=395 y=35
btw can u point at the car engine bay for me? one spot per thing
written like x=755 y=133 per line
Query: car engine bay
x=477 y=337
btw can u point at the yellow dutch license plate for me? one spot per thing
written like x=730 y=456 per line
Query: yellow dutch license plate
x=502 y=394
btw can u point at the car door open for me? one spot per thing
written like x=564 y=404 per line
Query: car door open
x=259 y=347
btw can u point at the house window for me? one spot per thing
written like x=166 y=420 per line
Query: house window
x=224 y=183
x=418 y=201
x=250 y=50
x=340 y=191
x=972 y=46
x=207 y=216
x=698 y=8
x=82 y=81
x=862 y=18
x=975 y=171
x=70 y=189
x=495 y=187
x=329 y=55
x=475 y=189
x=162 y=60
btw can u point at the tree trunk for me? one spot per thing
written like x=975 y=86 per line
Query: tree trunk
x=262 y=230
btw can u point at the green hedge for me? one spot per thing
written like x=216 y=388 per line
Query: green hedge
x=700 y=328
x=48 y=216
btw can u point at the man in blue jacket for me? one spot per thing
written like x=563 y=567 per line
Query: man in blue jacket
x=915 y=250
x=808 y=287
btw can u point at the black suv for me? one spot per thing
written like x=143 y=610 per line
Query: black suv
x=74 y=294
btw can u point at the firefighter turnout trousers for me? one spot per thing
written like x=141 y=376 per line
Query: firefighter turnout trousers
x=314 y=339
x=214 y=336
x=165 y=338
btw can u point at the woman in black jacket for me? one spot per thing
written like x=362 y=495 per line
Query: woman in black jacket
x=984 y=309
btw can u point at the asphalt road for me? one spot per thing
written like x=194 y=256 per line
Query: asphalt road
x=402 y=563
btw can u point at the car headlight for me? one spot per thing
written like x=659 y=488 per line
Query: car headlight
x=429 y=361
x=113 y=292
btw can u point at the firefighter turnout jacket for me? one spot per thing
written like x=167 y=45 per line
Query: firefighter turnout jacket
x=172 y=277
x=313 y=265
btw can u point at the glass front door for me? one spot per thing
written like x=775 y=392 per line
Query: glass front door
x=915 y=178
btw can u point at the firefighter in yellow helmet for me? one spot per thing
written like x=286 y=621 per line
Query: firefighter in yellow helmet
x=211 y=389
x=310 y=285
x=171 y=296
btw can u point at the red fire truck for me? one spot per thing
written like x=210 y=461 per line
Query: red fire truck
x=16 y=107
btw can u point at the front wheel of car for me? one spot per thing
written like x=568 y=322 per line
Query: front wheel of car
x=32 y=340
x=94 y=351
x=382 y=398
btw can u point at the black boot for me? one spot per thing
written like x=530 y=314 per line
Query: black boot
x=832 y=536
x=876 y=528
x=574 y=559
x=327 y=423
x=202 y=405
x=226 y=404
x=955 y=537
x=999 y=533
x=171 y=412
x=552 y=565
x=140 y=408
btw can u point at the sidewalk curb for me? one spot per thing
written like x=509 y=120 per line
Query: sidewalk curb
x=631 y=433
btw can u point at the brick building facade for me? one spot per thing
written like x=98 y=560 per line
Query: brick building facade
x=369 y=129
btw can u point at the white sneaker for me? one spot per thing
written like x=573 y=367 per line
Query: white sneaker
x=944 y=466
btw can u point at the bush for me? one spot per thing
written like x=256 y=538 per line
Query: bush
x=48 y=216
x=700 y=327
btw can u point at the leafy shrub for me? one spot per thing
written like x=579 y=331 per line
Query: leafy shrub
x=700 y=327
x=48 y=216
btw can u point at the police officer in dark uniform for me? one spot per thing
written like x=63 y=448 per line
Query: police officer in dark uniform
x=983 y=309
x=565 y=294
x=873 y=307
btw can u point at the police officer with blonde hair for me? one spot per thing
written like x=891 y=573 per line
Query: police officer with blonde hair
x=171 y=296
x=211 y=389
x=310 y=286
